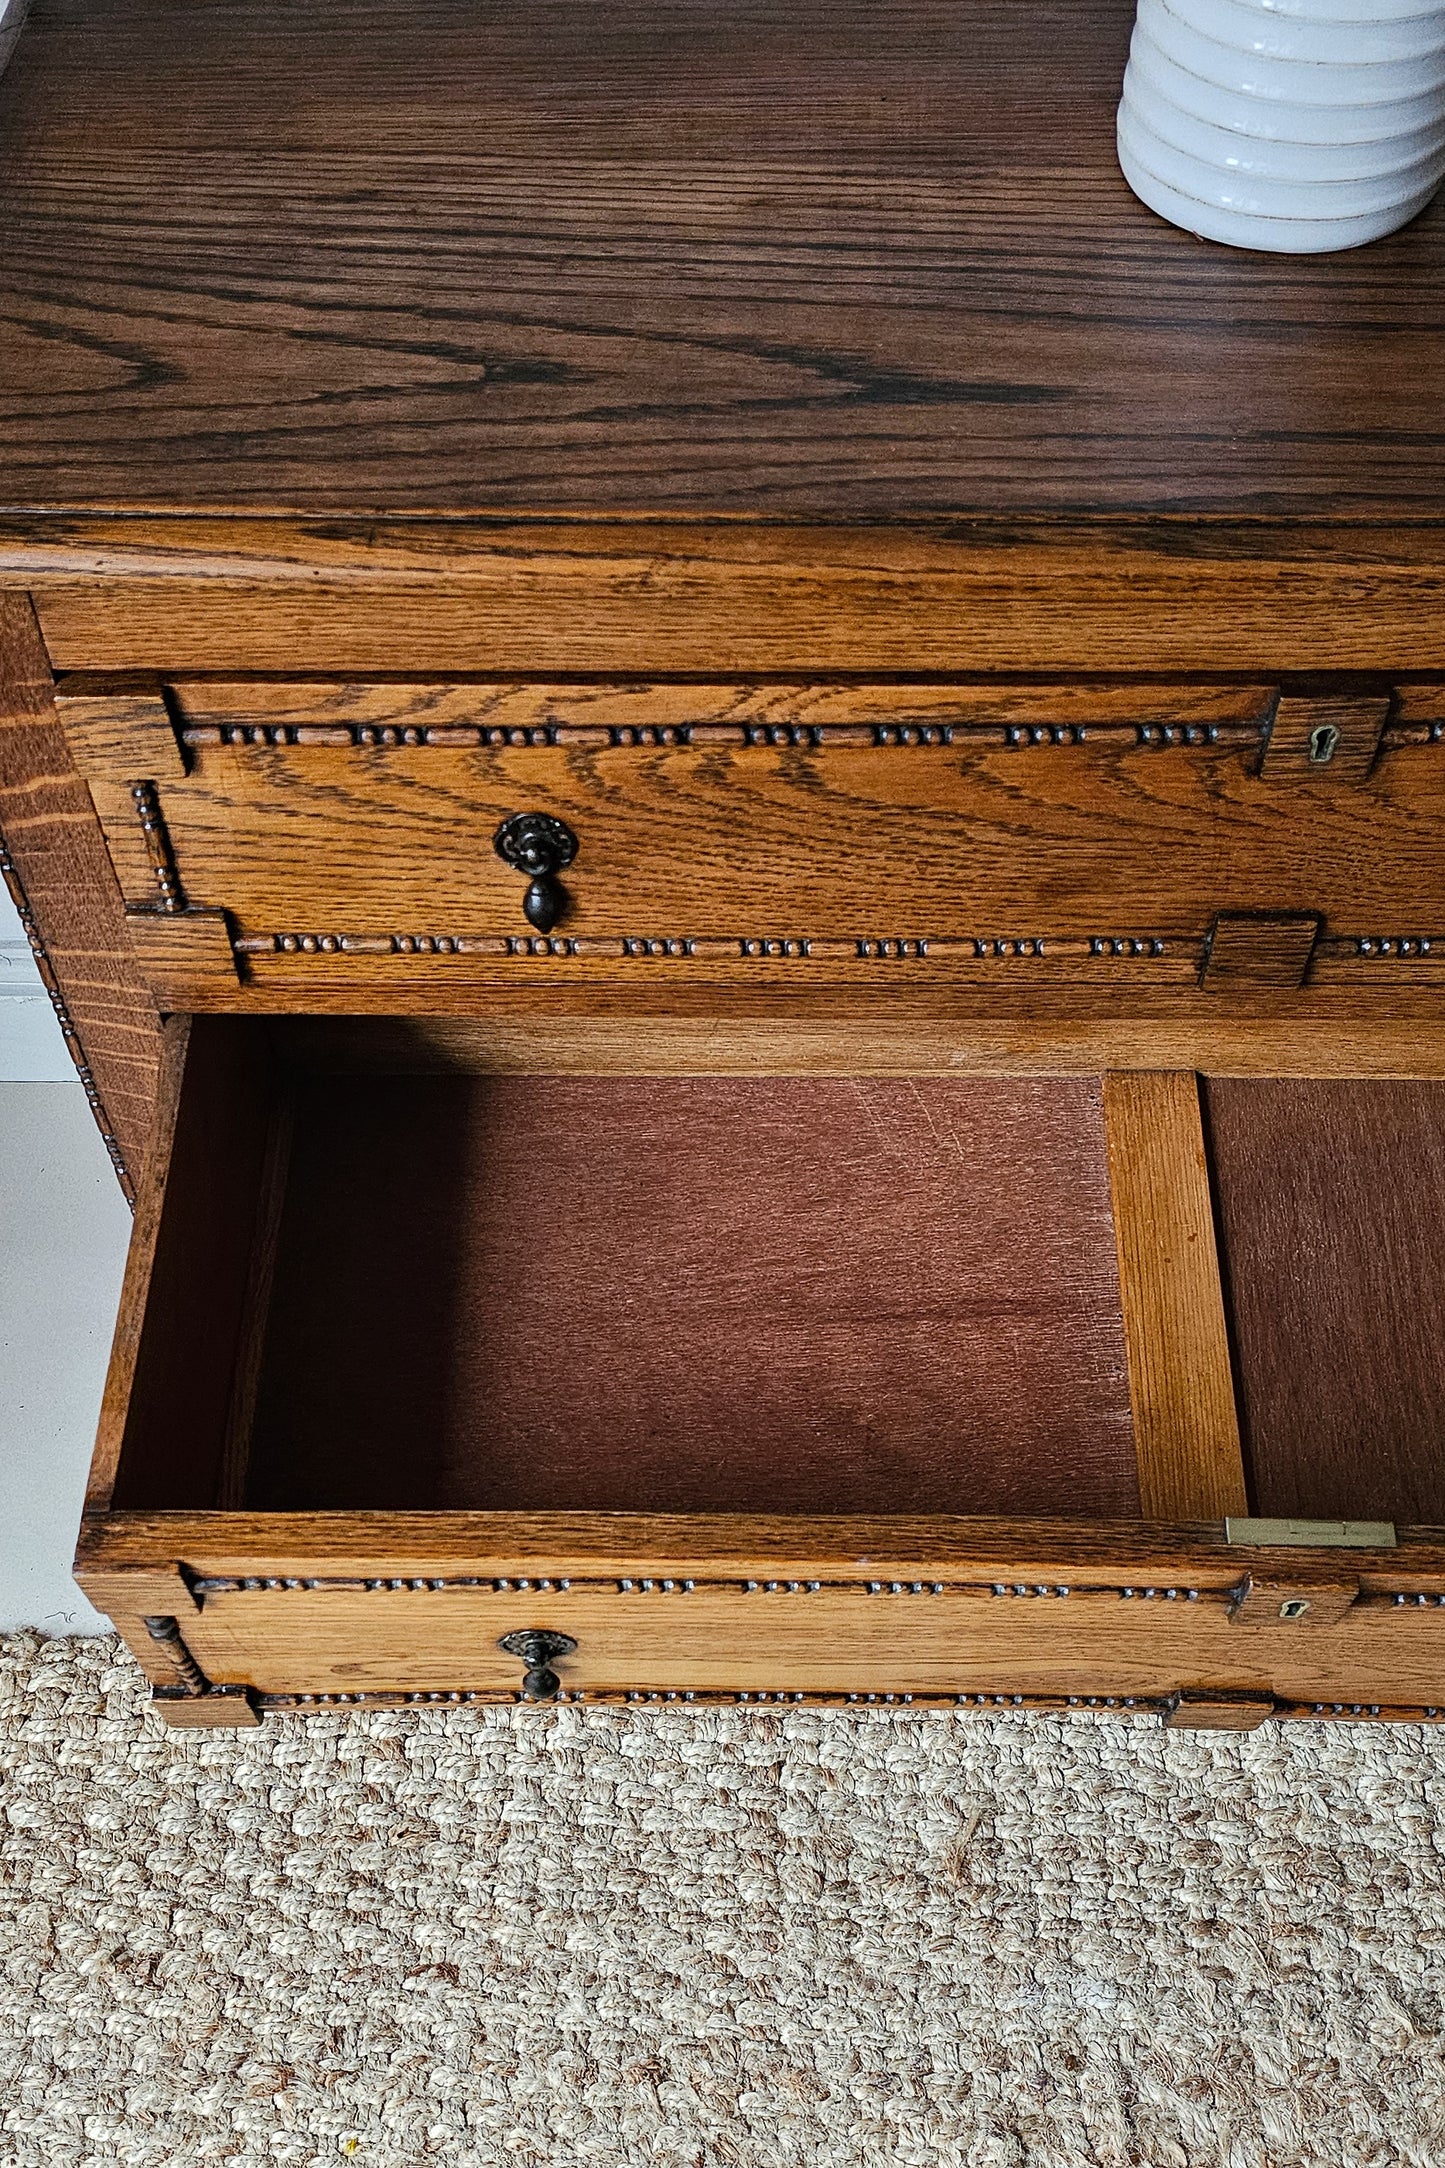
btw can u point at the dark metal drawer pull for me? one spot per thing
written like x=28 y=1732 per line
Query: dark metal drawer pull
x=539 y=845
x=537 y=1648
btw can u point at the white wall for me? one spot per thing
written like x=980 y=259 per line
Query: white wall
x=63 y=1232
x=31 y=1048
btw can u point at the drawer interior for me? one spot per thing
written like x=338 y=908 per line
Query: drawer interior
x=695 y=1294
x=384 y=1280
x=642 y=1293
x=1331 y=1198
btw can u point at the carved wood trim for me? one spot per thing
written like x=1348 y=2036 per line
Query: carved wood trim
x=166 y=1633
x=810 y=737
x=1241 y=952
x=194 y=1701
x=1161 y=1705
x=713 y=1697
x=1394 y=948
x=1217 y=1710
x=645 y=1586
x=796 y=948
x=146 y=800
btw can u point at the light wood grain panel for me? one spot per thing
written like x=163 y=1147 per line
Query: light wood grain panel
x=1035 y=614
x=1186 y=1431
x=185 y=957
x=860 y=1548
x=1092 y=844
x=960 y=994
x=829 y=1642
x=645 y=599
x=733 y=1045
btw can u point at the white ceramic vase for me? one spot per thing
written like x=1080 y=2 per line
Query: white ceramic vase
x=12 y=15
x=1294 y=125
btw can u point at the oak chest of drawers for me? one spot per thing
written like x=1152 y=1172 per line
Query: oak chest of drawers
x=741 y=830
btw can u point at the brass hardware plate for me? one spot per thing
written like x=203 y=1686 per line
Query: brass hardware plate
x=1316 y=1535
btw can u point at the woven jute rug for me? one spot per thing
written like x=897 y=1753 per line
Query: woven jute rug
x=670 y=1939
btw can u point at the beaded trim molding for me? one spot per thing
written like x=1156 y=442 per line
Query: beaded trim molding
x=811 y=737
x=203 y=1585
x=765 y=1699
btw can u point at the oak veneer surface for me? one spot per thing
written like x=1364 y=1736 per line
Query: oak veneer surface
x=772 y=256
x=1332 y=1217
x=847 y=844
x=696 y=1295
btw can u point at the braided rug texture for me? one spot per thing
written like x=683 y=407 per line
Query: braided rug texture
x=710 y=1939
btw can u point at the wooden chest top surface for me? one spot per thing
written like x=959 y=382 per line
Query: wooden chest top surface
x=812 y=259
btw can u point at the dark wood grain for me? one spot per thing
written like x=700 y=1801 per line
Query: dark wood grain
x=1334 y=1243
x=814 y=256
x=55 y=864
x=696 y=1295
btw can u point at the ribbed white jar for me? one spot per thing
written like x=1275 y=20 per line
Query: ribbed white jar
x=12 y=15
x=1295 y=125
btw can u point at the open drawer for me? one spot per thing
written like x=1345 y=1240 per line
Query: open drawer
x=445 y=1375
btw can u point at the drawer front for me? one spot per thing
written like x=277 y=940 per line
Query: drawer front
x=1094 y=839
x=833 y=1642
x=320 y=1474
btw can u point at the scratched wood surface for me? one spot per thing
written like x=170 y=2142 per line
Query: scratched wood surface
x=769 y=254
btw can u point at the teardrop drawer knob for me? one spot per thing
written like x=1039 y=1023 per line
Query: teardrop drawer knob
x=538 y=1649
x=539 y=845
